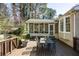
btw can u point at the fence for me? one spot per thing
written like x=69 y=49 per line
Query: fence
x=6 y=46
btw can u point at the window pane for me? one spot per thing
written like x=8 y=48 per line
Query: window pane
x=36 y=28
x=51 y=27
x=31 y=27
x=41 y=27
x=68 y=24
x=46 y=28
x=61 y=25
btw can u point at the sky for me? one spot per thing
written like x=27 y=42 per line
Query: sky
x=61 y=8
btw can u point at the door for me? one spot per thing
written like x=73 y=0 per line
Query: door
x=51 y=29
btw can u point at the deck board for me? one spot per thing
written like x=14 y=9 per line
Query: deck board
x=23 y=51
x=31 y=50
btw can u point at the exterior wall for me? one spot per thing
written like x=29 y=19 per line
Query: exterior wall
x=77 y=24
x=67 y=37
x=56 y=33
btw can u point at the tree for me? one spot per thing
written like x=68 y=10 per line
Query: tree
x=18 y=32
x=16 y=13
x=50 y=13
x=4 y=19
x=32 y=10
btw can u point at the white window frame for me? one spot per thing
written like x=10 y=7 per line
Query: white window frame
x=47 y=26
x=65 y=24
x=60 y=26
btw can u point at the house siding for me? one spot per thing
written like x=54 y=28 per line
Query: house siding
x=68 y=37
x=77 y=24
x=56 y=34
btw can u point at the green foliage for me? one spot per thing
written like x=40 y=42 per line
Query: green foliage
x=18 y=32
x=46 y=13
x=27 y=36
x=42 y=10
x=50 y=13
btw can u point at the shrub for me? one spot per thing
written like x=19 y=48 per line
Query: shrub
x=27 y=36
x=18 y=32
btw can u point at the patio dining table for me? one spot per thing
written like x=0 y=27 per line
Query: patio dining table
x=42 y=42
x=46 y=46
x=46 y=43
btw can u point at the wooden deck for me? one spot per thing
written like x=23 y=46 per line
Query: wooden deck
x=24 y=51
x=31 y=50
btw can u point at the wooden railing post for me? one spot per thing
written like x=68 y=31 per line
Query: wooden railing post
x=5 y=47
x=0 y=48
x=16 y=43
x=11 y=45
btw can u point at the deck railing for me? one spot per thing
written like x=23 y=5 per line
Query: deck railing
x=6 y=46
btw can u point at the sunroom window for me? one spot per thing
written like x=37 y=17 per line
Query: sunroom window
x=36 y=28
x=61 y=25
x=31 y=27
x=46 y=28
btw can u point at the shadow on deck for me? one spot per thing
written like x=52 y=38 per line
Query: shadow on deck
x=49 y=48
x=22 y=44
x=42 y=52
x=60 y=49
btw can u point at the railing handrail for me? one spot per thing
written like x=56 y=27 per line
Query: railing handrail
x=7 y=39
x=8 y=45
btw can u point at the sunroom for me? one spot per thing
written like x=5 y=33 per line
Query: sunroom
x=40 y=27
